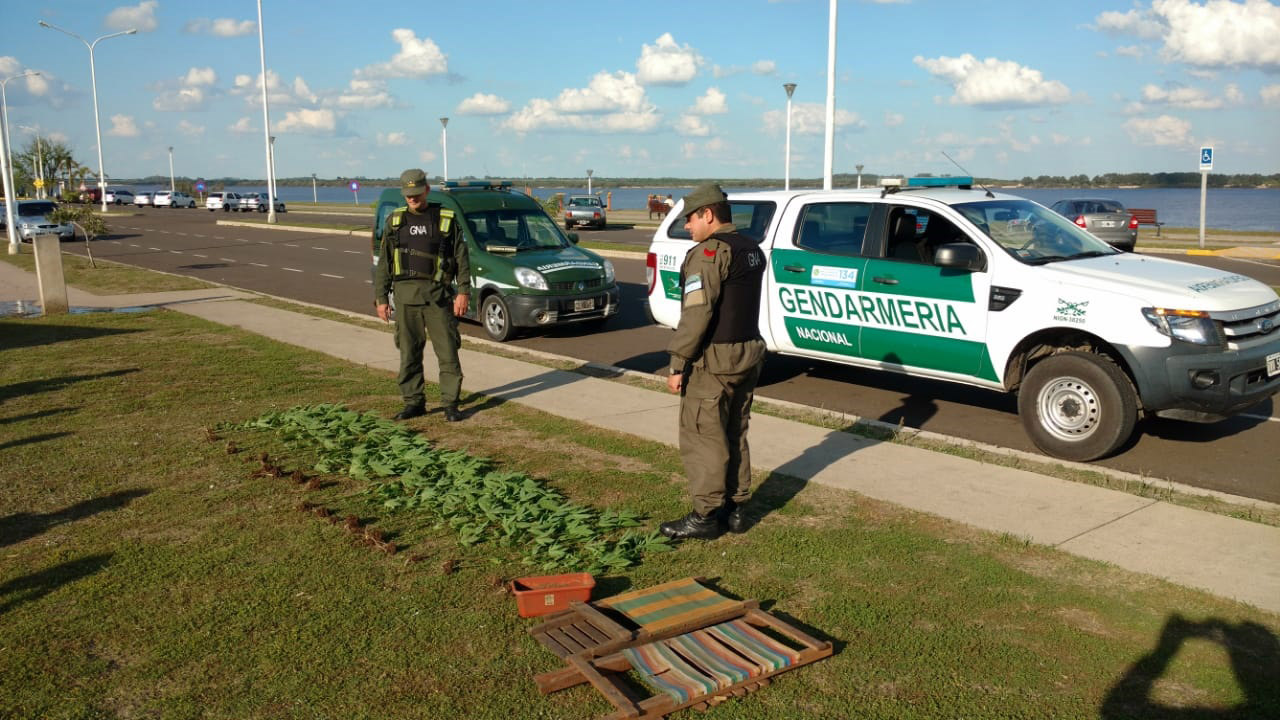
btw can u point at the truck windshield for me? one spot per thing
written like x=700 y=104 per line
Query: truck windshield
x=1031 y=232
x=522 y=229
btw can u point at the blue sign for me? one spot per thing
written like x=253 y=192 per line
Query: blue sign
x=200 y=186
x=355 y=185
x=1206 y=158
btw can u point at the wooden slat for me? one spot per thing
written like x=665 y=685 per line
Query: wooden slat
x=606 y=687
x=599 y=619
x=575 y=633
x=553 y=644
x=764 y=619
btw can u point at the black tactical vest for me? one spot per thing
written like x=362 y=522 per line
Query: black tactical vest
x=418 y=241
x=737 y=317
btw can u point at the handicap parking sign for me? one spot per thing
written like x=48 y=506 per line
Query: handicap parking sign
x=1206 y=158
x=355 y=185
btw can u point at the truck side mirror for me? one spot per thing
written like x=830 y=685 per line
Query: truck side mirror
x=962 y=256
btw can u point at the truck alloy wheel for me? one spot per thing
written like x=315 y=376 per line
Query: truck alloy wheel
x=496 y=318
x=1077 y=406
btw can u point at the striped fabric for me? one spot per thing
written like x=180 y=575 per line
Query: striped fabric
x=667 y=605
x=703 y=662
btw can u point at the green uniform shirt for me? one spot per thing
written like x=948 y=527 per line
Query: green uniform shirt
x=417 y=289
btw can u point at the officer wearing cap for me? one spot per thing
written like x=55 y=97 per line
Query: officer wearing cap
x=716 y=356
x=423 y=254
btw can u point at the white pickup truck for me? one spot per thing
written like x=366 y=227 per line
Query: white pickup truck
x=936 y=279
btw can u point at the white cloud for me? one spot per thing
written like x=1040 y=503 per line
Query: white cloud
x=720 y=71
x=243 y=126
x=810 y=119
x=392 y=138
x=1231 y=93
x=994 y=83
x=124 y=126
x=483 y=104
x=58 y=137
x=200 y=76
x=1164 y=130
x=426 y=156
x=611 y=103
x=764 y=67
x=1140 y=23
x=302 y=92
x=363 y=94
x=606 y=92
x=141 y=16
x=667 y=63
x=221 y=27
x=1059 y=138
x=279 y=95
x=692 y=126
x=892 y=119
x=1221 y=33
x=1270 y=95
x=1186 y=98
x=320 y=122
x=712 y=102
x=36 y=84
x=1133 y=51
x=190 y=129
x=417 y=58
x=180 y=100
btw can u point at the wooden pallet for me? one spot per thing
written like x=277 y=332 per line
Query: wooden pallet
x=696 y=669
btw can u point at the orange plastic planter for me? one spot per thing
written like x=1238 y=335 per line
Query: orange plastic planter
x=545 y=594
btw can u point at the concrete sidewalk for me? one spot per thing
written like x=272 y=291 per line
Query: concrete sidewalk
x=1225 y=556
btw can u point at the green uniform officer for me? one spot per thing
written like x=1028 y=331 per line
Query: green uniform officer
x=423 y=254
x=716 y=357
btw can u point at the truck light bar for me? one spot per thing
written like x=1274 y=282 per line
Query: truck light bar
x=946 y=181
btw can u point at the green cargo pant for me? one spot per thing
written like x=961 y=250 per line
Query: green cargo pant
x=415 y=324
x=715 y=410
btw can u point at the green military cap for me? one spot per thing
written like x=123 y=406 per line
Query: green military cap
x=702 y=196
x=413 y=182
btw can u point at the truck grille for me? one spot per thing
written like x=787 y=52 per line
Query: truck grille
x=1243 y=328
x=577 y=285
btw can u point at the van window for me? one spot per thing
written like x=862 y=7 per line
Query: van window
x=833 y=228
x=750 y=218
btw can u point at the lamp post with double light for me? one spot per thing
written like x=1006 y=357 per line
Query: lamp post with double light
x=314 y=201
x=6 y=164
x=93 y=77
x=266 y=123
x=786 y=172
x=171 y=186
x=444 y=145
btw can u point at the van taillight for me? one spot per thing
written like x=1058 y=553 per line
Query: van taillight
x=1133 y=222
x=650 y=271
x=1080 y=221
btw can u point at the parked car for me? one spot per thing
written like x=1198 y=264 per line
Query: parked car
x=584 y=210
x=258 y=201
x=225 y=201
x=526 y=273
x=31 y=219
x=143 y=199
x=120 y=196
x=178 y=199
x=1106 y=219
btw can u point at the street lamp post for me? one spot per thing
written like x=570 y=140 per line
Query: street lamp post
x=859 y=167
x=40 y=192
x=786 y=172
x=266 y=122
x=271 y=186
x=171 y=186
x=589 y=171
x=829 y=151
x=93 y=77
x=6 y=165
x=444 y=145
x=314 y=201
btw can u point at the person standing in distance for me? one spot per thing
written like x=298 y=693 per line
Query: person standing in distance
x=716 y=356
x=423 y=254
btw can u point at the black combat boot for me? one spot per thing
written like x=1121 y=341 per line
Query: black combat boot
x=452 y=413
x=410 y=411
x=693 y=525
x=734 y=517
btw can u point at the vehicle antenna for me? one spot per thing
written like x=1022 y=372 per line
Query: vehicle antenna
x=966 y=172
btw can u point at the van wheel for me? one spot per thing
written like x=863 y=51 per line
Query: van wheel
x=1078 y=406
x=496 y=318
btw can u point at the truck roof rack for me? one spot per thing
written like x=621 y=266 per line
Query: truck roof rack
x=450 y=185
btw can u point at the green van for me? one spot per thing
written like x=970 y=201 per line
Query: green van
x=525 y=272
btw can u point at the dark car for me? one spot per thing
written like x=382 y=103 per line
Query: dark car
x=1106 y=219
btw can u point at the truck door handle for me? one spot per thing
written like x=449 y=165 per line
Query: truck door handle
x=793 y=268
x=885 y=280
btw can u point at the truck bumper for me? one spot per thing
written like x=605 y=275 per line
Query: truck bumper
x=1189 y=382
x=548 y=310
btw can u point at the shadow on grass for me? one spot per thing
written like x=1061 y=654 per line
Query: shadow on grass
x=32 y=387
x=15 y=335
x=787 y=480
x=1254 y=653
x=495 y=396
x=18 y=527
x=33 y=439
x=30 y=588
x=37 y=415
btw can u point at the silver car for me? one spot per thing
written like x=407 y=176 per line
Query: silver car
x=1105 y=219
x=31 y=219
x=142 y=199
x=258 y=201
x=584 y=210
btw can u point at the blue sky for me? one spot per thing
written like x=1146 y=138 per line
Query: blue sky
x=654 y=88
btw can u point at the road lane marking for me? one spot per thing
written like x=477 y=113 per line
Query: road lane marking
x=290 y=269
x=156 y=249
x=201 y=256
x=117 y=242
x=335 y=277
x=175 y=232
x=132 y=245
x=226 y=260
x=259 y=264
x=176 y=252
x=196 y=235
x=368 y=282
x=318 y=248
x=263 y=242
x=290 y=245
x=353 y=252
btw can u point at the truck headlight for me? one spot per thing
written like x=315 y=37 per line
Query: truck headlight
x=1193 y=326
x=609 y=274
x=530 y=278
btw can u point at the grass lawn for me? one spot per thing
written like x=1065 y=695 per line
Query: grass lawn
x=146 y=573
x=109 y=278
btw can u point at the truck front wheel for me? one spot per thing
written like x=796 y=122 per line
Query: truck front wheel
x=1078 y=406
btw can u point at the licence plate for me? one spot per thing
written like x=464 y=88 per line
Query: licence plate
x=1106 y=223
x=1273 y=364
x=580 y=305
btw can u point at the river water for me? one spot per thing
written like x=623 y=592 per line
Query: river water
x=1225 y=209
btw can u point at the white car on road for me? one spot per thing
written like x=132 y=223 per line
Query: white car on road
x=179 y=199
x=225 y=201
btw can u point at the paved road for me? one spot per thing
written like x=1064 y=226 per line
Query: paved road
x=1237 y=455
